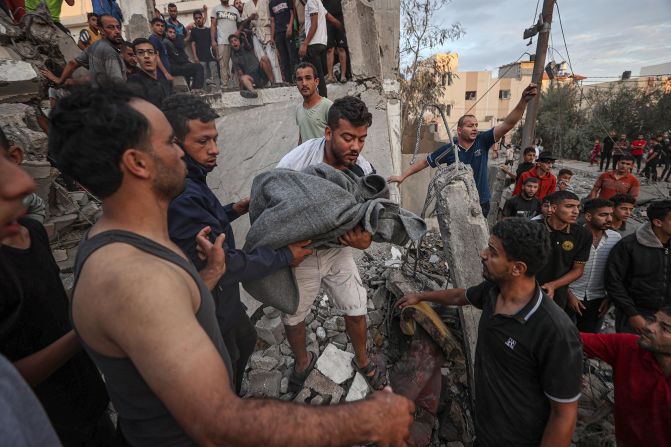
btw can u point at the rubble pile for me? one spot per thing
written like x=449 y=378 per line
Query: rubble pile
x=596 y=427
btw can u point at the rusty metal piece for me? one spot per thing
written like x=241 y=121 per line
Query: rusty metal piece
x=429 y=320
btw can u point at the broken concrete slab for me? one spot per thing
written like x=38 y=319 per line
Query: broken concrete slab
x=364 y=47
x=260 y=361
x=264 y=383
x=18 y=80
x=335 y=364
x=358 y=390
x=270 y=330
x=321 y=384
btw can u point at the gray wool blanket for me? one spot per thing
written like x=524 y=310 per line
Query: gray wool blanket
x=319 y=204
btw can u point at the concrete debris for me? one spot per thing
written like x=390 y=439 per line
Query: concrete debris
x=358 y=390
x=264 y=383
x=260 y=361
x=336 y=323
x=321 y=384
x=336 y=364
x=270 y=330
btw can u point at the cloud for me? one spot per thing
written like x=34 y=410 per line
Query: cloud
x=604 y=37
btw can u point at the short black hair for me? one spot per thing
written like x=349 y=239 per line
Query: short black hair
x=658 y=209
x=91 y=14
x=157 y=19
x=172 y=5
x=140 y=41
x=596 y=203
x=307 y=65
x=349 y=108
x=89 y=131
x=627 y=157
x=529 y=150
x=558 y=197
x=524 y=241
x=181 y=108
x=233 y=36
x=619 y=199
x=547 y=199
x=564 y=171
x=460 y=122
x=102 y=16
x=530 y=180
x=197 y=12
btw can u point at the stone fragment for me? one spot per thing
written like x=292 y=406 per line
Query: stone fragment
x=60 y=255
x=336 y=323
x=284 y=385
x=264 y=383
x=321 y=333
x=379 y=297
x=358 y=390
x=270 y=330
x=317 y=400
x=335 y=364
x=370 y=305
x=376 y=317
x=271 y=312
x=259 y=361
x=303 y=395
x=321 y=384
x=434 y=259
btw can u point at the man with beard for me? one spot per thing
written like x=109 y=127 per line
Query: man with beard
x=642 y=376
x=619 y=181
x=333 y=269
x=570 y=247
x=528 y=359
x=146 y=79
x=311 y=116
x=526 y=204
x=587 y=294
x=145 y=315
x=473 y=147
x=103 y=59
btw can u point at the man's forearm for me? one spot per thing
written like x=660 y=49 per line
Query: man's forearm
x=559 y=429
x=450 y=297
x=70 y=68
x=313 y=29
x=38 y=366
x=417 y=167
x=569 y=277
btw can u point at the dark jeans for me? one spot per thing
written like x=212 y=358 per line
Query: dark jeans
x=651 y=170
x=638 y=162
x=317 y=57
x=590 y=321
x=666 y=174
x=240 y=341
x=605 y=156
x=194 y=74
x=288 y=55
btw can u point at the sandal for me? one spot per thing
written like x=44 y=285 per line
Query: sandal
x=297 y=379
x=377 y=380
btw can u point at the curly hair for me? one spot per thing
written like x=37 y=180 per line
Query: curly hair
x=182 y=108
x=596 y=203
x=349 y=108
x=91 y=129
x=524 y=241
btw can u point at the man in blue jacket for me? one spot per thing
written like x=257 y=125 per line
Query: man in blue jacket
x=193 y=122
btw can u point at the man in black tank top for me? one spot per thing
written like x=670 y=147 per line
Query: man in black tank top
x=146 y=317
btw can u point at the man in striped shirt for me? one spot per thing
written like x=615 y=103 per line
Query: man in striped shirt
x=587 y=295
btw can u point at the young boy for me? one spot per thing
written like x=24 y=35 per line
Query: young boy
x=564 y=180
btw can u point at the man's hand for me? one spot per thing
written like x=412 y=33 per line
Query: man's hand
x=299 y=252
x=396 y=179
x=290 y=31
x=529 y=92
x=549 y=288
x=303 y=50
x=357 y=237
x=575 y=304
x=50 y=76
x=603 y=307
x=214 y=254
x=409 y=299
x=638 y=323
x=241 y=207
x=394 y=412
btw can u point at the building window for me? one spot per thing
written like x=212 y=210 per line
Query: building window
x=470 y=96
x=504 y=94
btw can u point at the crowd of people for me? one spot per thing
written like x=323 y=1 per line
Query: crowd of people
x=650 y=154
x=246 y=46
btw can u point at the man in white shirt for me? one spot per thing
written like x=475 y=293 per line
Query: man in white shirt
x=333 y=269
x=263 y=40
x=225 y=20
x=313 y=47
x=587 y=295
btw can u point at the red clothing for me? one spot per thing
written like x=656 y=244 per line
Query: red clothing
x=546 y=184
x=608 y=185
x=642 y=391
x=637 y=147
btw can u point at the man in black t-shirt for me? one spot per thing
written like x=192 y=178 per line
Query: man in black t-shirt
x=201 y=48
x=337 y=41
x=526 y=204
x=146 y=79
x=607 y=151
x=282 y=27
x=570 y=246
x=528 y=358
x=180 y=65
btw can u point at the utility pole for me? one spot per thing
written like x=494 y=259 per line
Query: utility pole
x=543 y=28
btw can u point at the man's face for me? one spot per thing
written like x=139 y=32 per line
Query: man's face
x=238 y=5
x=172 y=11
x=613 y=133
x=15 y=185
x=623 y=137
x=530 y=189
x=469 y=131
x=663 y=224
x=345 y=142
x=530 y=157
x=600 y=218
x=495 y=264
x=93 y=22
x=111 y=29
x=129 y=57
x=147 y=58
x=546 y=209
x=640 y=137
x=623 y=211
x=624 y=166
x=166 y=159
x=235 y=43
x=201 y=142
x=158 y=28
x=656 y=337
x=567 y=211
x=171 y=33
x=546 y=165
x=198 y=18
x=306 y=82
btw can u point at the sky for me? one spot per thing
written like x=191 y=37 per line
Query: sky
x=604 y=37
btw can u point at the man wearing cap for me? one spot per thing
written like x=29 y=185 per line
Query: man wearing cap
x=547 y=182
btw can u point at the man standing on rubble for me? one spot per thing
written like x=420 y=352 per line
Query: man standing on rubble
x=334 y=268
x=528 y=358
x=473 y=147
x=145 y=315
x=193 y=122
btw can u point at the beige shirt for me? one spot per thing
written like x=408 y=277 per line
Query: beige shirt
x=260 y=26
